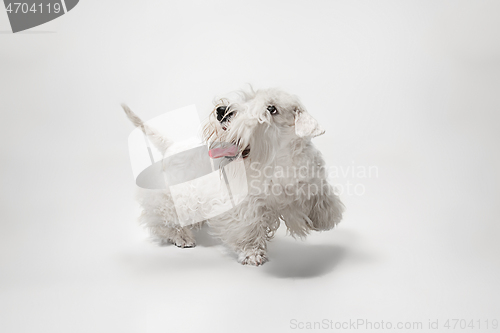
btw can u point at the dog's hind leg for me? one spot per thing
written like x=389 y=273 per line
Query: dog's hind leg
x=163 y=233
x=159 y=217
x=179 y=236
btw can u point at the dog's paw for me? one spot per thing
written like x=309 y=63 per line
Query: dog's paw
x=185 y=245
x=255 y=259
x=183 y=242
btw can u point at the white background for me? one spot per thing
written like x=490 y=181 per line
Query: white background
x=410 y=87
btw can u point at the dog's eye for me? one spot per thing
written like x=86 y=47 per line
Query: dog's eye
x=272 y=109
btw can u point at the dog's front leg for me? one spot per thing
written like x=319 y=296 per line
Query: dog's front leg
x=251 y=244
x=252 y=250
x=326 y=208
x=247 y=232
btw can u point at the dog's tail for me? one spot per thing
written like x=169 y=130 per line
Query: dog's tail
x=158 y=140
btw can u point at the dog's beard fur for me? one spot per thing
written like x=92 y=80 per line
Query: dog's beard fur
x=265 y=140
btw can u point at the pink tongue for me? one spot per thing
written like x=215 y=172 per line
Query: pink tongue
x=221 y=152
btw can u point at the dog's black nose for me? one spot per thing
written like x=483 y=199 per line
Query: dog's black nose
x=221 y=112
x=224 y=114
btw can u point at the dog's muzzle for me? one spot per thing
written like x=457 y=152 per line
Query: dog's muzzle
x=224 y=115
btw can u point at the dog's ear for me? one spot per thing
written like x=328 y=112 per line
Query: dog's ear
x=307 y=126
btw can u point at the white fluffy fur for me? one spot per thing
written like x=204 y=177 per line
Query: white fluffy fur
x=279 y=145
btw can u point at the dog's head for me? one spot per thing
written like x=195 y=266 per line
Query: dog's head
x=257 y=124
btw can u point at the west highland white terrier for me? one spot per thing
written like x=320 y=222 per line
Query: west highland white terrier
x=270 y=132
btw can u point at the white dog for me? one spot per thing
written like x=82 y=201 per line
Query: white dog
x=271 y=131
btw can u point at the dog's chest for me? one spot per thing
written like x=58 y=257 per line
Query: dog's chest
x=288 y=180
